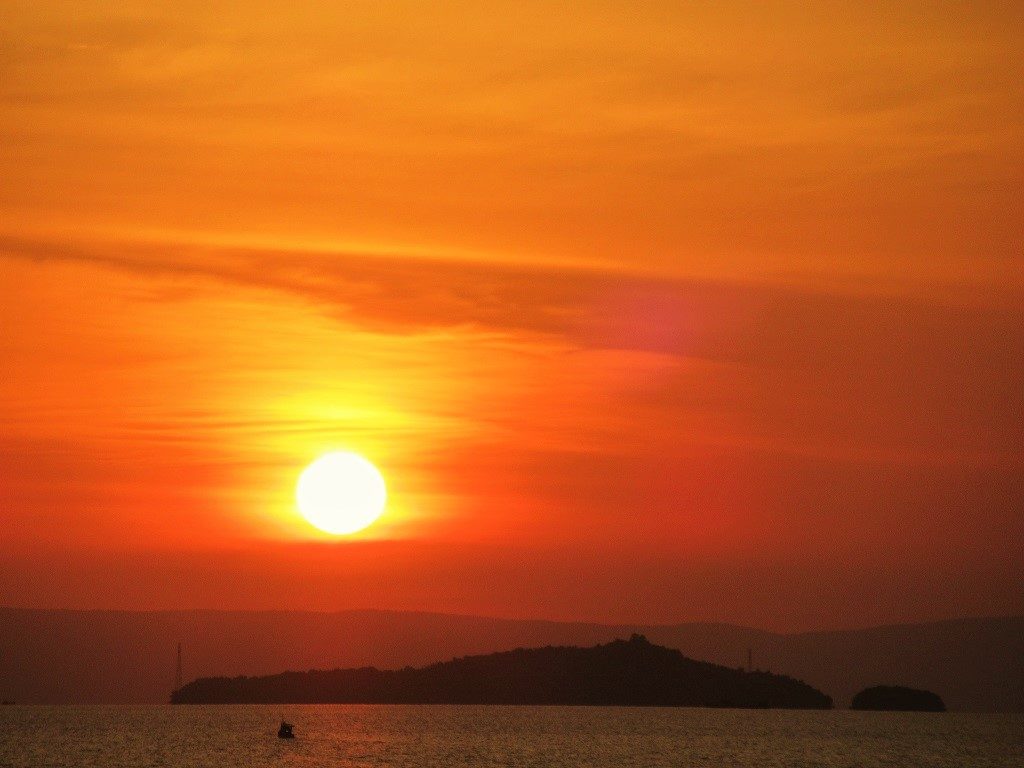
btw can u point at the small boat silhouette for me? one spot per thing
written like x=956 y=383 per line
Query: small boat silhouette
x=285 y=731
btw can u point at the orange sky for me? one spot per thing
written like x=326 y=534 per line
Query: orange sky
x=646 y=312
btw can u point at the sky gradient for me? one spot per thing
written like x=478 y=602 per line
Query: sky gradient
x=656 y=313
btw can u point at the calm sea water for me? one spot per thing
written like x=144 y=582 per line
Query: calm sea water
x=453 y=737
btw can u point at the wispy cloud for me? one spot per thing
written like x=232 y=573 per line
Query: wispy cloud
x=789 y=364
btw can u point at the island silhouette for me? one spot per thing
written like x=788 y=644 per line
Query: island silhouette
x=630 y=672
x=897 y=698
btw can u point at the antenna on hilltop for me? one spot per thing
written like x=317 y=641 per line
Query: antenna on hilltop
x=177 y=671
x=750 y=658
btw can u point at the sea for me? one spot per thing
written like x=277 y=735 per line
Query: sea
x=225 y=736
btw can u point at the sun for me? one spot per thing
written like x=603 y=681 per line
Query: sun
x=341 y=493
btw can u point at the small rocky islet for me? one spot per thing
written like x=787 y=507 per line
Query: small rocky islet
x=897 y=698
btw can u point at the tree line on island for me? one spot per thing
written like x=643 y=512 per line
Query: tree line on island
x=630 y=672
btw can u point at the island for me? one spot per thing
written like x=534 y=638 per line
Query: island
x=630 y=672
x=896 y=698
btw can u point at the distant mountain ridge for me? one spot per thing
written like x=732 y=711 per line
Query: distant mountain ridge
x=619 y=673
x=67 y=656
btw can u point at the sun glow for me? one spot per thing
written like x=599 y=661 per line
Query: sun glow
x=341 y=493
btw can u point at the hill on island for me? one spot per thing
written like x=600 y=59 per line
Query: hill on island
x=622 y=673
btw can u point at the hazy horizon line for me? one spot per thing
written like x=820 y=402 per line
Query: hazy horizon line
x=512 y=619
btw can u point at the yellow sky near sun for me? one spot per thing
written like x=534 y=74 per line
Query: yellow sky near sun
x=245 y=384
x=162 y=372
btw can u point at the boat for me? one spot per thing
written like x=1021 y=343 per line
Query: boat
x=285 y=731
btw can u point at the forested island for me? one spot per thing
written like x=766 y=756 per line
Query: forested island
x=896 y=698
x=630 y=672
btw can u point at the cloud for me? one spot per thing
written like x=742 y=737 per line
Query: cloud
x=860 y=376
